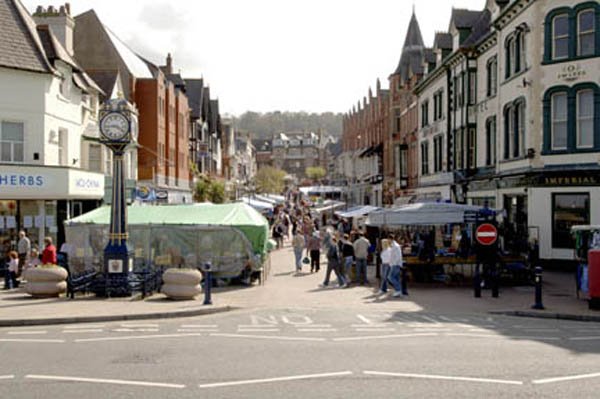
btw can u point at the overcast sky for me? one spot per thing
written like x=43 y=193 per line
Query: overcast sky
x=267 y=55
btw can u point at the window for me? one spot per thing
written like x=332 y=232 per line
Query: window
x=459 y=153
x=472 y=149
x=472 y=87
x=438 y=105
x=568 y=210
x=585 y=119
x=560 y=36
x=509 y=49
x=586 y=32
x=514 y=130
x=437 y=153
x=490 y=141
x=95 y=158
x=572 y=33
x=11 y=142
x=63 y=146
x=572 y=118
x=559 y=121
x=425 y=113
x=397 y=120
x=461 y=93
x=492 y=76
x=515 y=53
x=425 y=158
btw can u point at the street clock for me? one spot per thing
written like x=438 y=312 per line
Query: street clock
x=114 y=126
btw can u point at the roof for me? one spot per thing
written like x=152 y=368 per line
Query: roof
x=464 y=19
x=134 y=63
x=480 y=29
x=443 y=40
x=53 y=49
x=194 y=89
x=177 y=80
x=106 y=80
x=421 y=213
x=412 y=51
x=429 y=55
x=20 y=45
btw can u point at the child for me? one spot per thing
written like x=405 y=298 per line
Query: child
x=34 y=259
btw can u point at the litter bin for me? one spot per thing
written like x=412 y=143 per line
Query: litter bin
x=594 y=278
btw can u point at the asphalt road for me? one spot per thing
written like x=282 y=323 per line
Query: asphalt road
x=305 y=353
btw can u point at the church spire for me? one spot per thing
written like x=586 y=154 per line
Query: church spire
x=412 y=51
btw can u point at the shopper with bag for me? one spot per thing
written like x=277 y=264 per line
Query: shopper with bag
x=298 y=244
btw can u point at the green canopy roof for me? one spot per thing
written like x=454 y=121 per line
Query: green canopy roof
x=238 y=215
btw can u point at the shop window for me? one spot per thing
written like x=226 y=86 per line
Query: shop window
x=12 y=139
x=425 y=158
x=568 y=209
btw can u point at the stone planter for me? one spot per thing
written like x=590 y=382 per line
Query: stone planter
x=43 y=282
x=181 y=283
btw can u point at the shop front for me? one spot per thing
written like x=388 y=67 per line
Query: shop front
x=38 y=199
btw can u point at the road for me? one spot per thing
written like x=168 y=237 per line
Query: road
x=300 y=352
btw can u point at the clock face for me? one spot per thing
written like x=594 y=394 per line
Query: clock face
x=114 y=126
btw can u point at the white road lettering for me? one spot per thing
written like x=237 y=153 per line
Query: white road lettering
x=274 y=337
x=138 y=337
x=364 y=337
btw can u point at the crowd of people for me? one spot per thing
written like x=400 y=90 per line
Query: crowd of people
x=346 y=249
x=18 y=258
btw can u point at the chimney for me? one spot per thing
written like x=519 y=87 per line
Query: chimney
x=169 y=64
x=60 y=22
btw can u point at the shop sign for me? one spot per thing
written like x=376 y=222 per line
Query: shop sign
x=162 y=195
x=569 y=181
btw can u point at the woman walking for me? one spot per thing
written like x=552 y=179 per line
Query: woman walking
x=298 y=244
x=314 y=249
x=389 y=258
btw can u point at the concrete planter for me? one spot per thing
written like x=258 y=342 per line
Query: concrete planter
x=181 y=283
x=43 y=282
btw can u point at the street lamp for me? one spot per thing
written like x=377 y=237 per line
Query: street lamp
x=118 y=131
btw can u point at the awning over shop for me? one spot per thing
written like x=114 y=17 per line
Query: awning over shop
x=357 y=211
x=319 y=190
x=423 y=213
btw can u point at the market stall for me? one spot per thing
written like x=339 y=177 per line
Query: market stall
x=260 y=206
x=357 y=214
x=232 y=237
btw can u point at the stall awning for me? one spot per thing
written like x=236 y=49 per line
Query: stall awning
x=423 y=213
x=329 y=206
x=357 y=211
x=257 y=204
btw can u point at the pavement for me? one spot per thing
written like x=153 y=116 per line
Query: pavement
x=283 y=288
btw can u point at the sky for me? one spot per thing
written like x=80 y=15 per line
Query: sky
x=269 y=55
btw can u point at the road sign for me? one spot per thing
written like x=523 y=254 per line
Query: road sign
x=486 y=234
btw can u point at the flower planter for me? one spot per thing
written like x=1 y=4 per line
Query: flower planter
x=44 y=281
x=181 y=283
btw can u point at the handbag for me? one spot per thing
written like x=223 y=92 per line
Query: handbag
x=306 y=261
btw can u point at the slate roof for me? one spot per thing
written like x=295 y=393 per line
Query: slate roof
x=429 y=55
x=195 y=87
x=53 y=49
x=412 y=51
x=464 y=19
x=177 y=80
x=443 y=40
x=20 y=46
x=480 y=29
x=106 y=80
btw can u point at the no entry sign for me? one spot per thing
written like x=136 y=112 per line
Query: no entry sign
x=486 y=234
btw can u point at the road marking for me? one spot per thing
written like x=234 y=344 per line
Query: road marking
x=199 y=326
x=6 y=377
x=50 y=341
x=276 y=379
x=206 y=330
x=379 y=325
x=566 y=378
x=473 y=335
x=317 y=329
x=364 y=319
x=85 y=326
x=541 y=329
x=258 y=330
x=374 y=329
x=82 y=331
x=138 y=337
x=26 y=332
x=275 y=337
x=256 y=326
x=135 y=329
x=432 y=329
x=590 y=338
x=137 y=325
x=103 y=381
x=363 y=337
x=444 y=377
x=314 y=326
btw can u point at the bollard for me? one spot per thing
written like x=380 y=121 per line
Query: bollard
x=207 y=283
x=477 y=282
x=403 y=281
x=538 y=288
x=495 y=283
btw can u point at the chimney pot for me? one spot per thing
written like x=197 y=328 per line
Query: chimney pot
x=51 y=10
x=62 y=10
x=39 y=10
x=68 y=8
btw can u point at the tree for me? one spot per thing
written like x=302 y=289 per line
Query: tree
x=270 y=180
x=208 y=189
x=315 y=172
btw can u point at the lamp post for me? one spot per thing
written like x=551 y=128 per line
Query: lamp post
x=118 y=131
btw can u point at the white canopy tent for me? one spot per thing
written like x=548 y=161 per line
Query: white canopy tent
x=423 y=214
x=357 y=211
x=257 y=204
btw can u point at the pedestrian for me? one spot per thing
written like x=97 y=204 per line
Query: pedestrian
x=13 y=267
x=34 y=259
x=23 y=248
x=333 y=262
x=277 y=234
x=386 y=258
x=298 y=244
x=49 y=252
x=361 y=253
x=347 y=250
x=314 y=249
x=396 y=268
